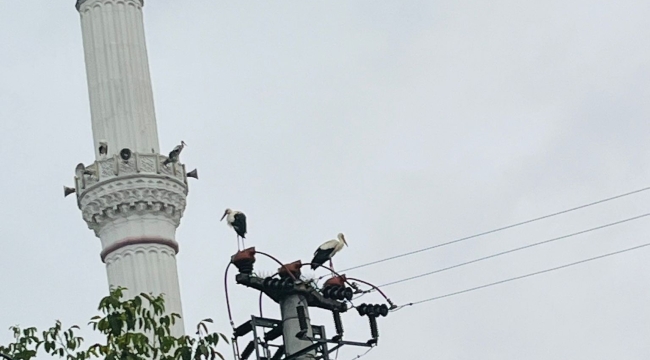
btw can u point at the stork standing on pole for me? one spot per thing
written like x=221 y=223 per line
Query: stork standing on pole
x=175 y=154
x=326 y=251
x=236 y=220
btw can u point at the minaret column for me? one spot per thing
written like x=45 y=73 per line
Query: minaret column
x=119 y=82
x=132 y=202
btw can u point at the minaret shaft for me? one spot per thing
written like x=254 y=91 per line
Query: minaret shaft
x=134 y=203
x=119 y=82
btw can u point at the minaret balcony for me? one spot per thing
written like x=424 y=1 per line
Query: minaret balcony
x=130 y=184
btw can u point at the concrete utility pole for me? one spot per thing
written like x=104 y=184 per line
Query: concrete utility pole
x=289 y=307
x=301 y=340
x=129 y=199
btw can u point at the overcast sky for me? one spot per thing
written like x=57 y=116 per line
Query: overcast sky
x=402 y=124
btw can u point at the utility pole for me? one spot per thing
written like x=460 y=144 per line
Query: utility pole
x=289 y=307
x=301 y=340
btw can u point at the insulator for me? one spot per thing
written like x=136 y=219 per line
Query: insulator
x=338 y=293
x=374 y=330
x=302 y=318
x=267 y=282
x=275 y=284
x=370 y=310
x=362 y=309
x=275 y=333
x=248 y=350
x=287 y=284
x=328 y=291
x=383 y=310
x=243 y=329
x=278 y=354
x=337 y=322
x=348 y=294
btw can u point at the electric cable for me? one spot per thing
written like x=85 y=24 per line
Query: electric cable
x=524 y=276
x=279 y=262
x=499 y=229
x=374 y=288
x=331 y=271
x=225 y=285
x=364 y=354
x=515 y=250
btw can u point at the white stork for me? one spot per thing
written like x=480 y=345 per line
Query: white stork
x=103 y=149
x=175 y=154
x=236 y=220
x=326 y=251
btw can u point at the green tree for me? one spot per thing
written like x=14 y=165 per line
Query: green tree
x=135 y=329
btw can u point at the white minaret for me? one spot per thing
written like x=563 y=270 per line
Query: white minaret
x=132 y=202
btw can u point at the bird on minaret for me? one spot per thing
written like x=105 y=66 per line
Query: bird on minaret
x=82 y=170
x=103 y=149
x=327 y=250
x=175 y=154
x=237 y=221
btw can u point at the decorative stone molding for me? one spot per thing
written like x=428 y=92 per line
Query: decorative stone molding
x=81 y=2
x=149 y=268
x=138 y=164
x=130 y=195
x=141 y=185
x=138 y=241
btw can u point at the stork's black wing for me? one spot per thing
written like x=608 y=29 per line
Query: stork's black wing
x=239 y=224
x=320 y=257
x=173 y=155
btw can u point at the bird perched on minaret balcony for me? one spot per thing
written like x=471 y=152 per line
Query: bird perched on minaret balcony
x=103 y=149
x=237 y=221
x=327 y=251
x=175 y=154
x=81 y=170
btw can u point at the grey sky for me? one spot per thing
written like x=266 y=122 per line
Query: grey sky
x=400 y=123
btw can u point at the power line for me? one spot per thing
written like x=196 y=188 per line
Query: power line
x=515 y=250
x=523 y=276
x=364 y=354
x=499 y=229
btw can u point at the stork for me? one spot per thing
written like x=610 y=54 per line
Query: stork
x=103 y=149
x=175 y=154
x=327 y=251
x=236 y=220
